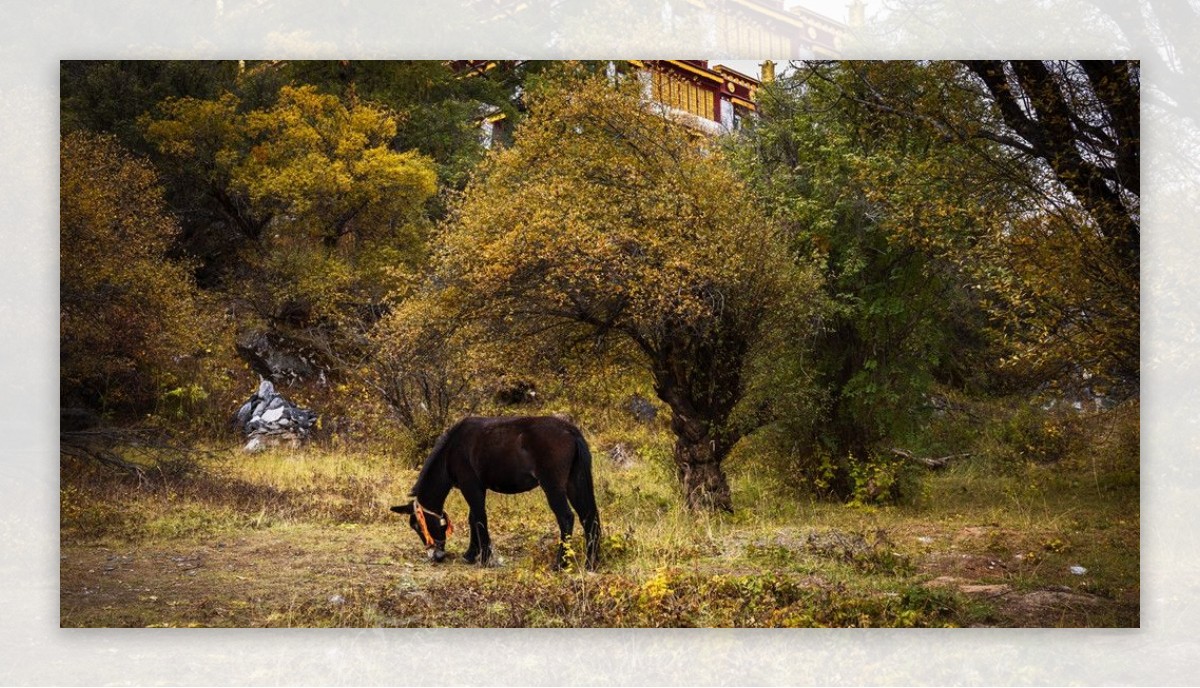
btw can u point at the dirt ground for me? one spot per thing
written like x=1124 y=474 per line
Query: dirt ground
x=369 y=576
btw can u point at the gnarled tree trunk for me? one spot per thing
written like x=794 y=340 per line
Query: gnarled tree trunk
x=701 y=389
x=698 y=458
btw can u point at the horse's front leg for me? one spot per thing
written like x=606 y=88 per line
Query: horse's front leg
x=481 y=541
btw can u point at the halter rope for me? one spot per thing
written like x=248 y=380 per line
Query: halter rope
x=420 y=511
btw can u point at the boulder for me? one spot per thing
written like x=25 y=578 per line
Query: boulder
x=642 y=409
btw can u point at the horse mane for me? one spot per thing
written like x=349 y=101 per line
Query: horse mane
x=434 y=454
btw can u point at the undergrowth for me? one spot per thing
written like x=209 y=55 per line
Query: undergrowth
x=305 y=538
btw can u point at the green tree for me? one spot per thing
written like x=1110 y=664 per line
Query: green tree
x=109 y=95
x=1060 y=140
x=607 y=220
x=891 y=210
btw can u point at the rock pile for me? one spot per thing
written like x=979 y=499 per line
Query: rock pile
x=268 y=419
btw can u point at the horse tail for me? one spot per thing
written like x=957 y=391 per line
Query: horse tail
x=585 y=496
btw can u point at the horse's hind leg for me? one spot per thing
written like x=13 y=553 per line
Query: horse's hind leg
x=589 y=517
x=591 y=532
x=566 y=523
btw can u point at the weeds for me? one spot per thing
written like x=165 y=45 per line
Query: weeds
x=304 y=538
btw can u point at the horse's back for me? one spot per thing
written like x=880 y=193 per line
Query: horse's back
x=521 y=423
x=515 y=454
x=541 y=432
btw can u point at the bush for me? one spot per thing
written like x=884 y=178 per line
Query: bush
x=133 y=325
x=1040 y=435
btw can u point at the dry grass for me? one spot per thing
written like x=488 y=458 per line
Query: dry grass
x=304 y=538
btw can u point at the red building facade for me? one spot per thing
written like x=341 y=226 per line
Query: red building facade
x=710 y=99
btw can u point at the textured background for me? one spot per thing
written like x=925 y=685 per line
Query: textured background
x=35 y=35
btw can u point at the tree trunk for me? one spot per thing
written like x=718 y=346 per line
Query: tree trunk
x=698 y=460
x=704 y=484
x=700 y=380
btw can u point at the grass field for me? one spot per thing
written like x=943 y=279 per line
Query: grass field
x=294 y=538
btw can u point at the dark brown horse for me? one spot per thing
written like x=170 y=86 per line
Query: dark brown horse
x=507 y=455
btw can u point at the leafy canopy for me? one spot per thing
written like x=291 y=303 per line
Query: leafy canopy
x=890 y=210
x=606 y=221
x=607 y=214
x=324 y=168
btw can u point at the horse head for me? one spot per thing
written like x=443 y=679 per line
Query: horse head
x=430 y=526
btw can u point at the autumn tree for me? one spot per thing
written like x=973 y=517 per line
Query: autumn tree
x=324 y=165
x=111 y=96
x=426 y=364
x=131 y=318
x=605 y=220
x=438 y=104
x=1076 y=126
x=327 y=216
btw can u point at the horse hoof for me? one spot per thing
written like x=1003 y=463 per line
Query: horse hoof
x=470 y=558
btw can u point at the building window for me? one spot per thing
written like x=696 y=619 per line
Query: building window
x=682 y=95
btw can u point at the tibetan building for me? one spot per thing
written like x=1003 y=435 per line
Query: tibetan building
x=709 y=99
x=712 y=100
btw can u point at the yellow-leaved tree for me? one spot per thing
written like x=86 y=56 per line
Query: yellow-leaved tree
x=131 y=320
x=326 y=215
x=606 y=219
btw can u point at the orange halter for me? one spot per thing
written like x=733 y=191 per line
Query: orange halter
x=420 y=511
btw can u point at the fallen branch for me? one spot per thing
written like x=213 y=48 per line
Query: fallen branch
x=140 y=452
x=929 y=462
x=103 y=456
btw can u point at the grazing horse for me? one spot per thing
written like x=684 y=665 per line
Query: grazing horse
x=507 y=455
